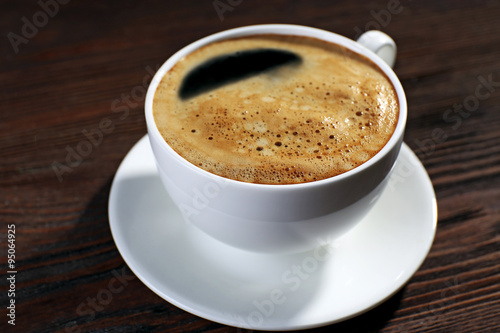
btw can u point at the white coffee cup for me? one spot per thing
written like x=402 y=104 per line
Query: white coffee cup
x=278 y=218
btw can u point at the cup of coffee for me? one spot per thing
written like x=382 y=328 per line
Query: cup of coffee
x=271 y=138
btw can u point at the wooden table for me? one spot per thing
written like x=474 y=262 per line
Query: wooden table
x=71 y=68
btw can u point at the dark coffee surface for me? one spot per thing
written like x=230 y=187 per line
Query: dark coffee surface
x=230 y=68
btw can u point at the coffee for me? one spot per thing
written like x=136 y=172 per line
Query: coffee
x=318 y=114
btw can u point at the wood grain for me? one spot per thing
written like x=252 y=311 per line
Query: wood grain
x=92 y=56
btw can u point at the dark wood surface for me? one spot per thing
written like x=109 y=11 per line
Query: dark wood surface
x=68 y=74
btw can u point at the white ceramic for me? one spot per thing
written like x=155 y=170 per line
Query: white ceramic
x=381 y=44
x=274 y=218
x=271 y=292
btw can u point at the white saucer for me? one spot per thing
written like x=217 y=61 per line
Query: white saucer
x=256 y=291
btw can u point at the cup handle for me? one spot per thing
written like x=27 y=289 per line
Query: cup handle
x=380 y=43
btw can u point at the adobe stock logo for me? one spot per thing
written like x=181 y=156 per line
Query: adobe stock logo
x=221 y=7
x=40 y=18
x=486 y=86
x=381 y=18
x=93 y=137
x=292 y=279
x=88 y=309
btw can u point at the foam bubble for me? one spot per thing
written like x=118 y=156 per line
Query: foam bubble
x=268 y=99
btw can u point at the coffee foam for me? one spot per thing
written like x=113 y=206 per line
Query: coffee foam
x=294 y=124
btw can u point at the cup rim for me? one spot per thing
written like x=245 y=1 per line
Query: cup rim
x=278 y=29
